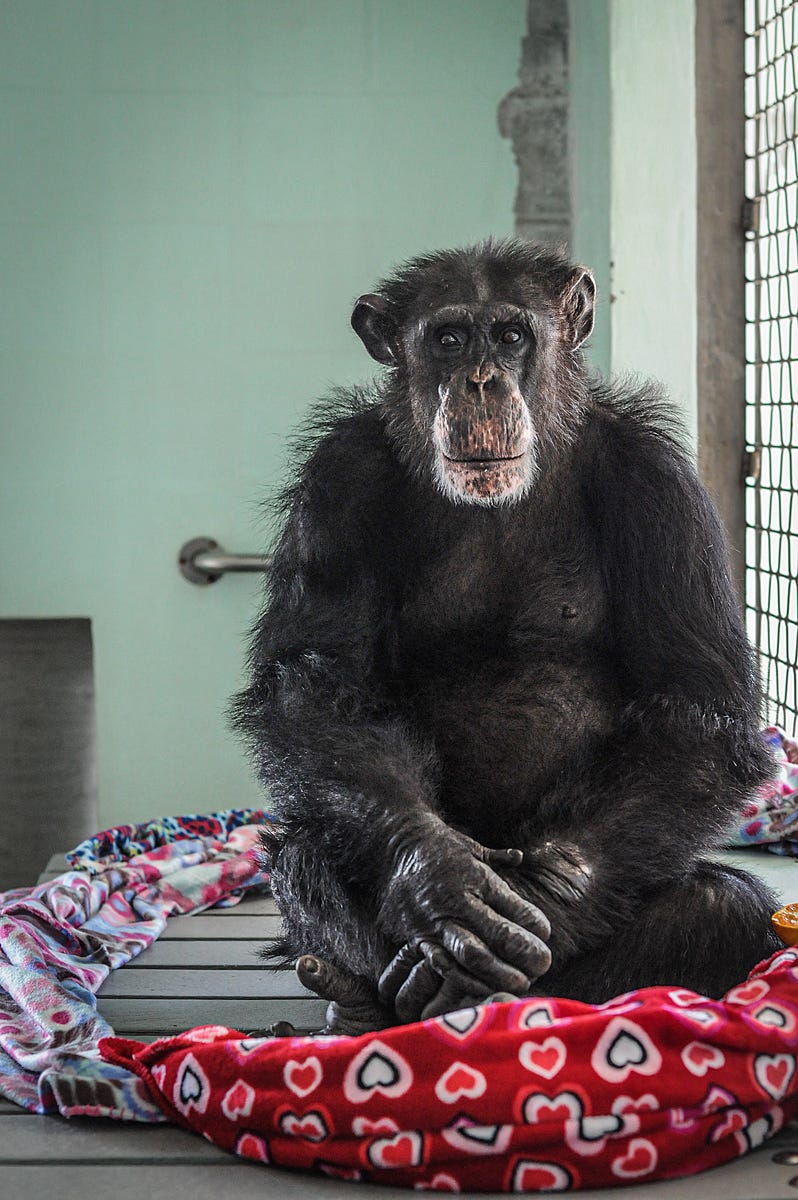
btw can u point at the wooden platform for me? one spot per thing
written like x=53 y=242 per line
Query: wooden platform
x=204 y=970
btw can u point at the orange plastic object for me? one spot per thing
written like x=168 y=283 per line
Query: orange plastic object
x=785 y=923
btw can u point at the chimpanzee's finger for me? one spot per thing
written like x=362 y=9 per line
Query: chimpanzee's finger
x=561 y=871
x=507 y=940
x=458 y=990
x=502 y=858
x=422 y=986
x=498 y=894
x=418 y=989
x=470 y=952
x=405 y=960
x=331 y=983
x=397 y=971
x=558 y=886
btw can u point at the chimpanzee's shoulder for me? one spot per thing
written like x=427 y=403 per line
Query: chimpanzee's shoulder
x=344 y=469
x=633 y=438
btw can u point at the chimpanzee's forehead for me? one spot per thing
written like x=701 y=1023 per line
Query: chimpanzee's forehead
x=477 y=313
x=476 y=291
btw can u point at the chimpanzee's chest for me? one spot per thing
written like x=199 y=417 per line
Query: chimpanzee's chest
x=504 y=662
x=481 y=598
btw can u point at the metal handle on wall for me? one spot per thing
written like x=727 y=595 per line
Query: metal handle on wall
x=202 y=560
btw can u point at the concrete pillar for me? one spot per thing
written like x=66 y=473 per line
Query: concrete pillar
x=534 y=115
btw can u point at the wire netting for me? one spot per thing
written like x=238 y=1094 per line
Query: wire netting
x=771 y=97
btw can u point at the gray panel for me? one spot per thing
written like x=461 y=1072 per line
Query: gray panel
x=47 y=742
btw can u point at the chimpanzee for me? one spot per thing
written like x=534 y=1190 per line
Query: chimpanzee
x=500 y=692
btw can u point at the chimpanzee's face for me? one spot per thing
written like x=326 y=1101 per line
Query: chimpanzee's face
x=474 y=361
x=470 y=366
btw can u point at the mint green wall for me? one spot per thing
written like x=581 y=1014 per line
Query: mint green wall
x=193 y=193
x=653 y=195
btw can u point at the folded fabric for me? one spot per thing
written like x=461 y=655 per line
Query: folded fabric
x=533 y=1095
x=770 y=818
x=123 y=842
x=59 y=941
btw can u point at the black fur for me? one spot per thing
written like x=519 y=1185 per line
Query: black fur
x=563 y=671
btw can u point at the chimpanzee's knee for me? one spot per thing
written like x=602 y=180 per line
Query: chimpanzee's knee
x=705 y=931
x=732 y=930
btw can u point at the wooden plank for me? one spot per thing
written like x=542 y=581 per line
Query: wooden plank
x=135 y=1015
x=755 y=1177
x=210 y=926
x=250 y=905
x=9 y=1109
x=31 y=1138
x=202 y=981
x=198 y=953
x=233 y=1179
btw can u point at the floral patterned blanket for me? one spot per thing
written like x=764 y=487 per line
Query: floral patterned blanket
x=771 y=818
x=59 y=941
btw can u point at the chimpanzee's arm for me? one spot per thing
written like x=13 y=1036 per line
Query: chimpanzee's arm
x=353 y=787
x=685 y=753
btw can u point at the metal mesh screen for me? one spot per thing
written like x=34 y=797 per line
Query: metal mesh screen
x=772 y=348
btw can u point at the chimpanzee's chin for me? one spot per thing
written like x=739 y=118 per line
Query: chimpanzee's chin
x=489 y=481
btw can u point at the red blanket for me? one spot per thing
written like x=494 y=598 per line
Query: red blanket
x=534 y=1095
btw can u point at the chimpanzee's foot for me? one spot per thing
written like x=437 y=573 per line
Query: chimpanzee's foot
x=354 y=1006
x=277 y=1029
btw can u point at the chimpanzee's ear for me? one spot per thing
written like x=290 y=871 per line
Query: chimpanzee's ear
x=578 y=305
x=375 y=327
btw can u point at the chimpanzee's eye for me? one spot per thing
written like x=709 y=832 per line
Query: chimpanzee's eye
x=450 y=339
x=511 y=334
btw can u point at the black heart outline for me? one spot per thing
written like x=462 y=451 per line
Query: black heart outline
x=312 y=1115
x=379 y=1082
x=625 y=1035
x=463 y=1122
x=184 y=1096
x=782 y=1022
x=458 y=1030
x=526 y=1021
x=617 y=1121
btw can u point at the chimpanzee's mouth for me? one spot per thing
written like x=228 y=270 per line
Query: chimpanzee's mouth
x=493 y=460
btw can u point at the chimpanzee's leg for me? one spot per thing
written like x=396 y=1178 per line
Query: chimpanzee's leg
x=704 y=932
x=328 y=934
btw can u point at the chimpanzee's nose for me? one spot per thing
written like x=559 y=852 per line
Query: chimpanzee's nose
x=482 y=374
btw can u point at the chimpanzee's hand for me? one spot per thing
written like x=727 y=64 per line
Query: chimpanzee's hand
x=459 y=919
x=555 y=874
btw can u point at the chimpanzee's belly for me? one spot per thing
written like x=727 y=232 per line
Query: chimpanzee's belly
x=505 y=734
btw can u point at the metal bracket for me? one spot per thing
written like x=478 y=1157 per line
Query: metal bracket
x=752 y=464
x=749 y=217
x=202 y=561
